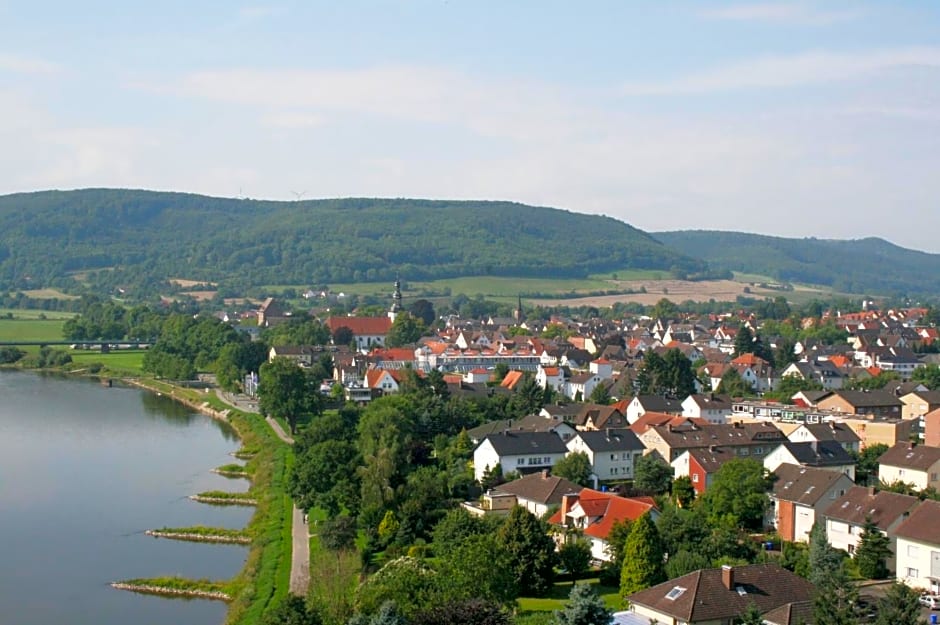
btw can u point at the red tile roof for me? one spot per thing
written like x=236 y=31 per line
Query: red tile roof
x=361 y=326
x=512 y=378
x=607 y=508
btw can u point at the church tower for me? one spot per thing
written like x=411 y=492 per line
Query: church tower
x=517 y=313
x=396 y=301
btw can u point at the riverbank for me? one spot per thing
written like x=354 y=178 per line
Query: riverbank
x=203 y=535
x=147 y=588
x=265 y=578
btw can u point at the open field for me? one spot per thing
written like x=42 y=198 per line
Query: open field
x=48 y=294
x=674 y=290
x=122 y=362
x=31 y=329
x=27 y=313
x=558 y=597
x=187 y=284
x=200 y=295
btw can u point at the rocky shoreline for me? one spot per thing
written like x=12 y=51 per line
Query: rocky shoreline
x=178 y=592
x=200 y=538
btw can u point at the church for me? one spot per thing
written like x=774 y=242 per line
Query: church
x=369 y=332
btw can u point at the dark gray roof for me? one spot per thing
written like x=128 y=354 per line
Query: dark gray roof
x=883 y=507
x=611 y=440
x=529 y=423
x=519 y=443
x=832 y=431
x=861 y=399
x=658 y=403
x=908 y=455
x=819 y=454
x=541 y=487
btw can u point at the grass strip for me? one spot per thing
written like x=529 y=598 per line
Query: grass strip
x=176 y=586
x=201 y=533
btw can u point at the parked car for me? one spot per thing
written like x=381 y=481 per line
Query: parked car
x=930 y=601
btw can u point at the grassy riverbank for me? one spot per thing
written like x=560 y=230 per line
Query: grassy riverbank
x=265 y=578
x=177 y=587
x=201 y=533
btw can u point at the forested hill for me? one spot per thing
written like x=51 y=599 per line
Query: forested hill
x=870 y=265
x=140 y=237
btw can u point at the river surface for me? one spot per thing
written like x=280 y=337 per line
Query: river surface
x=84 y=471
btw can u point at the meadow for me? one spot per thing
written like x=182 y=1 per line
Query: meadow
x=26 y=326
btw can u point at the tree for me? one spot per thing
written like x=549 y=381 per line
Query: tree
x=643 y=557
x=479 y=567
x=423 y=310
x=738 y=493
x=584 y=607
x=683 y=562
x=899 y=606
x=407 y=582
x=285 y=390
x=836 y=601
x=291 y=611
x=652 y=474
x=744 y=341
x=600 y=395
x=338 y=533
x=405 y=330
x=670 y=374
x=750 y=616
x=575 y=556
x=683 y=492
x=928 y=375
x=873 y=549
x=575 y=467
x=464 y=612
x=343 y=335
x=532 y=550
x=824 y=561
x=866 y=463
x=733 y=384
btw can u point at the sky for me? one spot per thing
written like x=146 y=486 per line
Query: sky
x=793 y=119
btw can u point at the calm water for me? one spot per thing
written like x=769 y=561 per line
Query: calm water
x=84 y=470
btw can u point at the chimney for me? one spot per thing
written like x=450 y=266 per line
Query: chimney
x=727 y=577
x=544 y=474
x=871 y=491
x=567 y=502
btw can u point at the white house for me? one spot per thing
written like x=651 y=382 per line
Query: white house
x=603 y=368
x=713 y=408
x=827 y=455
x=910 y=463
x=551 y=377
x=521 y=452
x=845 y=517
x=918 y=548
x=641 y=404
x=612 y=452
x=800 y=496
x=581 y=385
x=830 y=431
x=593 y=514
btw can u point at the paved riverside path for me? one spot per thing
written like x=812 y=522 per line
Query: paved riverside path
x=300 y=551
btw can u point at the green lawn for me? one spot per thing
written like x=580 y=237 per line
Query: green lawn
x=30 y=329
x=559 y=596
x=122 y=362
x=28 y=313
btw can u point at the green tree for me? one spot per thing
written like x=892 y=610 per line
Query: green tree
x=733 y=384
x=643 y=557
x=478 y=567
x=928 y=375
x=292 y=610
x=532 y=550
x=899 y=606
x=836 y=601
x=744 y=341
x=285 y=390
x=824 y=561
x=739 y=493
x=407 y=582
x=866 y=463
x=575 y=467
x=683 y=562
x=456 y=526
x=750 y=616
x=405 y=330
x=873 y=550
x=575 y=556
x=584 y=607
x=464 y=612
x=683 y=492
x=652 y=474
x=423 y=310
x=338 y=533
x=600 y=395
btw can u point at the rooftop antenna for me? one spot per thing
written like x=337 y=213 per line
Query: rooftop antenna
x=298 y=195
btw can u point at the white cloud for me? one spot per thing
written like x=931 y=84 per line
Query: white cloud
x=291 y=120
x=26 y=65
x=809 y=68
x=780 y=12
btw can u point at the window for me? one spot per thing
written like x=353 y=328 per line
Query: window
x=851 y=549
x=913 y=572
x=695 y=478
x=520 y=461
x=675 y=593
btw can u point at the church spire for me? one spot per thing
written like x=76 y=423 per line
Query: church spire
x=396 y=300
x=517 y=313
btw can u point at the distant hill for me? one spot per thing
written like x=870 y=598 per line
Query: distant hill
x=138 y=238
x=871 y=265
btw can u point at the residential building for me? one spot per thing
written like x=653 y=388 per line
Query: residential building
x=748 y=439
x=720 y=596
x=593 y=514
x=932 y=428
x=846 y=516
x=877 y=403
x=825 y=455
x=368 y=332
x=536 y=492
x=820 y=371
x=829 y=431
x=711 y=407
x=612 y=452
x=528 y=423
x=599 y=417
x=880 y=430
x=918 y=548
x=800 y=496
x=641 y=404
x=521 y=452
x=919 y=403
x=701 y=465
x=918 y=465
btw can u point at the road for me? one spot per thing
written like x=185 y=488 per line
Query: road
x=300 y=536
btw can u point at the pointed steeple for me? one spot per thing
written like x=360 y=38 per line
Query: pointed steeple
x=517 y=313
x=396 y=300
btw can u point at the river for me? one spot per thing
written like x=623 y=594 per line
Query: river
x=84 y=471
